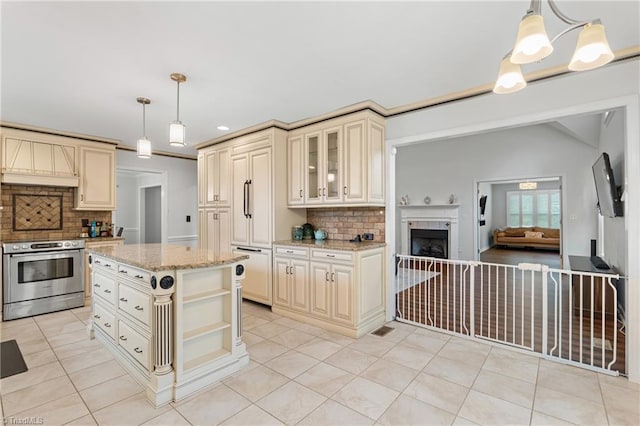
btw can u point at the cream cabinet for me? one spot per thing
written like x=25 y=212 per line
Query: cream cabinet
x=97 y=187
x=90 y=245
x=214 y=171
x=256 y=169
x=291 y=278
x=343 y=162
x=339 y=290
x=215 y=230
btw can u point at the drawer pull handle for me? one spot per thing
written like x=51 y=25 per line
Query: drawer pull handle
x=139 y=276
x=96 y=285
x=122 y=299
x=332 y=274
x=138 y=350
x=122 y=271
x=301 y=193
x=138 y=308
x=106 y=324
x=107 y=291
x=326 y=276
x=107 y=265
x=289 y=251
x=331 y=255
x=96 y=316
x=123 y=338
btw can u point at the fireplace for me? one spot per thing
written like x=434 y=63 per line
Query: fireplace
x=429 y=238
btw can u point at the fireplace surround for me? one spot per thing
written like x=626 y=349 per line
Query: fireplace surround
x=431 y=226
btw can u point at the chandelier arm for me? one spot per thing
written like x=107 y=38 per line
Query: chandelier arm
x=565 y=18
x=569 y=29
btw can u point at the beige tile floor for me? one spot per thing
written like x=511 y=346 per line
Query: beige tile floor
x=300 y=374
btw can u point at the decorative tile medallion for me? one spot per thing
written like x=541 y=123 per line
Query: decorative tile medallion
x=37 y=212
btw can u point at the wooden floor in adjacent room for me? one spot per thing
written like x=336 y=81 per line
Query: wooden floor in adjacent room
x=513 y=256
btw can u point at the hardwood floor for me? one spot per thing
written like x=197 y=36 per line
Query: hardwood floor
x=513 y=256
x=507 y=307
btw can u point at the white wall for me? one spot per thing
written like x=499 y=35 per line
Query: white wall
x=450 y=166
x=613 y=246
x=182 y=190
x=126 y=215
x=615 y=85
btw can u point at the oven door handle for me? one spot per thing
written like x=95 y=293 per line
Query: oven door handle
x=41 y=255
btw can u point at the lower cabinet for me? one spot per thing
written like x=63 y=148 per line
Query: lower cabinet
x=87 y=271
x=339 y=290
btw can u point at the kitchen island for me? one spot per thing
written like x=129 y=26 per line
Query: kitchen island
x=170 y=314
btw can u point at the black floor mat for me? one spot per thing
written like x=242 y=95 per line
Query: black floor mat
x=11 y=361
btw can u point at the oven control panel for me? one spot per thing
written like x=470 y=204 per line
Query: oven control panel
x=38 y=246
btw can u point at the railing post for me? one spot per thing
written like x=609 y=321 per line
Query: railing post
x=472 y=300
x=545 y=309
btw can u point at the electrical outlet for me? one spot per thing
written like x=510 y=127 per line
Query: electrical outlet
x=188 y=218
x=367 y=236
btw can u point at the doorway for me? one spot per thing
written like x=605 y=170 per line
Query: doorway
x=151 y=214
x=530 y=206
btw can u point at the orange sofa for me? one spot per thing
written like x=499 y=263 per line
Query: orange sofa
x=527 y=237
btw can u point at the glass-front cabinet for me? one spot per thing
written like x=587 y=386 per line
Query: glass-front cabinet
x=323 y=157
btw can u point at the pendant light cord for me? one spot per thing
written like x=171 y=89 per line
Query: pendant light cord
x=178 y=103
x=144 y=121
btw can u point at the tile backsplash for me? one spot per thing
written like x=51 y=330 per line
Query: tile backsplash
x=344 y=223
x=71 y=219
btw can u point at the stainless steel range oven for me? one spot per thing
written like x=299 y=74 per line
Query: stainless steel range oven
x=42 y=276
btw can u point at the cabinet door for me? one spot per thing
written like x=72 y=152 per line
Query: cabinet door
x=295 y=169
x=212 y=231
x=202 y=179
x=320 y=289
x=332 y=166
x=313 y=160
x=281 y=287
x=223 y=191
x=211 y=171
x=202 y=229
x=376 y=163
x=299 y=284
x=342 y=293
x=240 y=186
x=355 y=171
x=223 y=222
x=259 y=203
x=256 y=285
x=97 y=189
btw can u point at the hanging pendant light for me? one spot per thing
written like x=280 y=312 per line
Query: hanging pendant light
x=144 y=144
x=177 y=129
x=510 y=78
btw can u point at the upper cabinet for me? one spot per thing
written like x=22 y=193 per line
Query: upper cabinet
x=32 y=157
x=97 y=169
x=214 y=172
x=340 y=162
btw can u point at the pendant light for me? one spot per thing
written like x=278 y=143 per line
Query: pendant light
x=144 y=144
x=532 y=45
x=177 y=129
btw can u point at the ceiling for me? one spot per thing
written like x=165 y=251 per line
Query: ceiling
x=79 y=66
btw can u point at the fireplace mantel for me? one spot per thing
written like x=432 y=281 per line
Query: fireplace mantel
x=426 y=213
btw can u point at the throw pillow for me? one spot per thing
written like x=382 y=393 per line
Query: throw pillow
x=531 y=234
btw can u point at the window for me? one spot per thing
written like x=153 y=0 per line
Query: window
x=533 y=208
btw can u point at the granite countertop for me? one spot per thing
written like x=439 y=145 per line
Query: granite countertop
x=160 y=257
x=332 y=244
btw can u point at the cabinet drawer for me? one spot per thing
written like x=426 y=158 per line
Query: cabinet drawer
x=135 y=303
x=341 y=256
x=134 y=343
x=105 y=320
x=135 y=274
x=292 y=251
x=104 y=287
x=106 y=263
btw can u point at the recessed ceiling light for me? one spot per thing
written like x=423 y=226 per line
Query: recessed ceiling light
x=223 y=128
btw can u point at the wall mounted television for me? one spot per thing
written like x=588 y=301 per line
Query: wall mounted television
x=608 y=198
